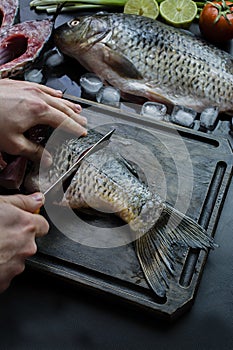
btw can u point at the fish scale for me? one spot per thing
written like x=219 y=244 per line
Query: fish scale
x=104 y=180
x=144 y=57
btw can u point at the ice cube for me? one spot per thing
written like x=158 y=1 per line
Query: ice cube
x=54 y=59
x=183 y=116
x=208 y=117
x=108 y=95
x=196 y=125
x=154 y=109
x=90 y=83
x=71 y=87
x=34 y=75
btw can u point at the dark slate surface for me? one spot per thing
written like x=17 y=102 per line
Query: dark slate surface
x=41 y=312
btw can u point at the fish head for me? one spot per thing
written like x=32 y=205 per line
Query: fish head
x=81 y=33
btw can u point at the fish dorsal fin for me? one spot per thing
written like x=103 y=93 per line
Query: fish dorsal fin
x=121 y=64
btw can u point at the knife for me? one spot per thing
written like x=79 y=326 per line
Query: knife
x=69 y=174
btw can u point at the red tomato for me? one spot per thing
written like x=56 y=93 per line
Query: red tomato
x=216 y=21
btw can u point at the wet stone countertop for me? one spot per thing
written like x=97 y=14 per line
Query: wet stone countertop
x=42 y=312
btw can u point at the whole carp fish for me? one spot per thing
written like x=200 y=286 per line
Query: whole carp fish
x=144 y=57
x=107 y=181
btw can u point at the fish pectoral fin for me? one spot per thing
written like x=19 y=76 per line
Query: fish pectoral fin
x=120 y=64
x=156 y=96
x=157 y=249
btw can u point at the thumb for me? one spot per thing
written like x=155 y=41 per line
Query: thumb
x=28 y=203
x=35 y=152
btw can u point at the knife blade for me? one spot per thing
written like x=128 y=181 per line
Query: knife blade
x=71 y=171
x=69 y=174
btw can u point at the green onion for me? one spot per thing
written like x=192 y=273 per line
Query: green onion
x=50 y=9
x=51 y=5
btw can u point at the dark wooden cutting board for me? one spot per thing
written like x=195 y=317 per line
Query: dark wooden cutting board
x=191 y=171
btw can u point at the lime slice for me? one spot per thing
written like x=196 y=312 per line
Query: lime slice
x=179 y=13
x=148 y=8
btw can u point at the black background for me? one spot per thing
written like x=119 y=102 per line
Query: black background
x=41 y=312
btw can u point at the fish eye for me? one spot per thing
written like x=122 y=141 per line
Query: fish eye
x=74 y=22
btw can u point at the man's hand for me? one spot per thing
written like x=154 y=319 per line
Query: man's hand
x=24 y=105
x=19 y=227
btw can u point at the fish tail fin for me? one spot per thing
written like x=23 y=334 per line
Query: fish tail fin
x=156 y=249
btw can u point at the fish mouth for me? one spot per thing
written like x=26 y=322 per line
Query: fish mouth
x=12 y=48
